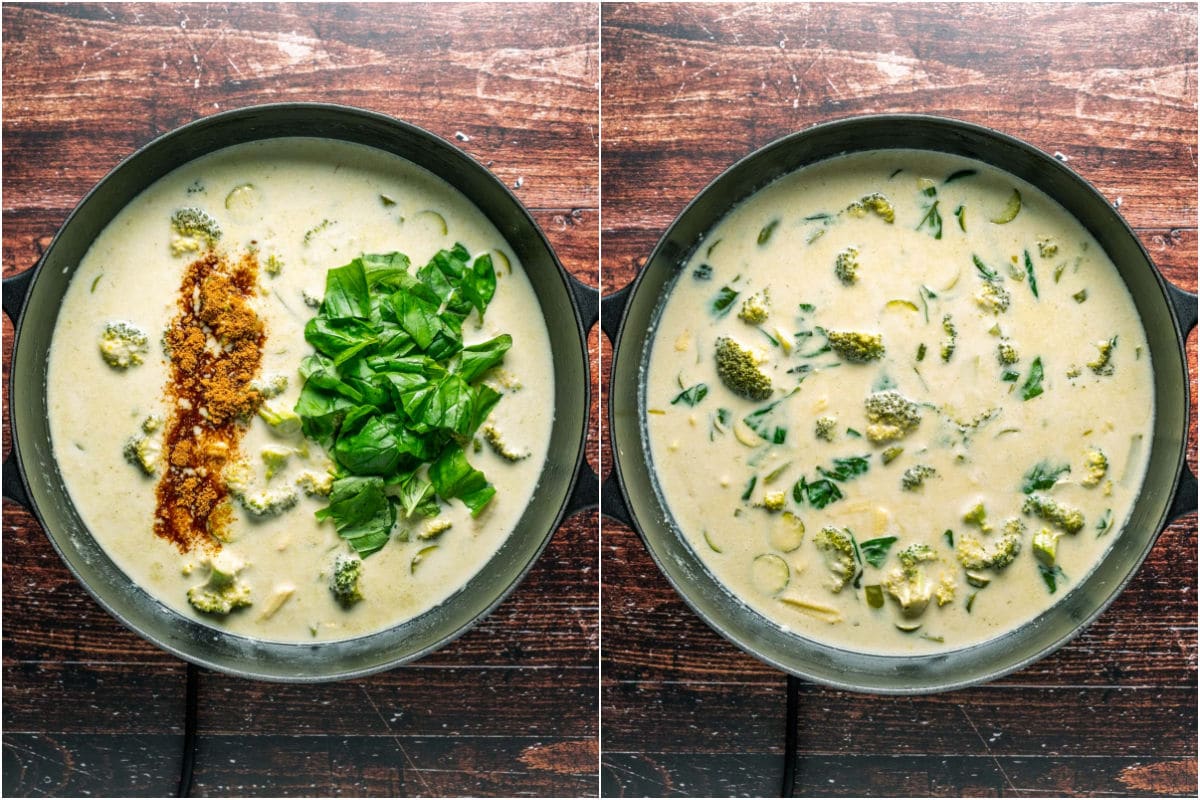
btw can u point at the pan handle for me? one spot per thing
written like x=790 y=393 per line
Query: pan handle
x=612 y=309
x=612 y=501
x=1184 y=501
x=16 y=289
x=585 y=495
x=587 y=300
x=1185 y=307
x=13 y=484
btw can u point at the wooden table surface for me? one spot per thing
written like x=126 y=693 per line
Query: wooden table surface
x=687 y=90
x=508 y=709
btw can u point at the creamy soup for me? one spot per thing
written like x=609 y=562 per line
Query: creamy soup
x=898 y=402
x=177 y=390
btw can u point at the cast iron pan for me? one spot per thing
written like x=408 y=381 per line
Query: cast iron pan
x=32 y=300
x=1169 y=491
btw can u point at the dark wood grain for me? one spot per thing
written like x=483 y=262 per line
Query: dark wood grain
x=690 y=88
x=507 y=709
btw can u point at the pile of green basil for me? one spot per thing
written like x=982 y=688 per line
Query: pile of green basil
x=393 y=395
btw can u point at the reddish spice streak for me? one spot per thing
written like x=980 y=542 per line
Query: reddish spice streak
x=215 y=344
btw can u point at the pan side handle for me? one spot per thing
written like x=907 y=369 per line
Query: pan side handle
x=1185 y=308
x=1184 y=501
x=13 y=485
x=16 y=289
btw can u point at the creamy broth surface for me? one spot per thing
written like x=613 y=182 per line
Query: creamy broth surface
x=741 y=481
x=315 y=205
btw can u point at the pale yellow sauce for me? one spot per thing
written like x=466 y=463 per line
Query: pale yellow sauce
x=130 y=274
x=703 y=469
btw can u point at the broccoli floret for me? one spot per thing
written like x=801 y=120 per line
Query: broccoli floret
x=270 y=385
x=311 y=300
x=1058 y=514
x=435 y=528
x=774 y=501
x=492 y=436
x=283 y=421
x=826 y=429
x=123 y=345
x=144 y=453
x=1045 y=546
x=267 y=503
x=951 y=343
x=1103 y=363
x=891 y=416
x=276 y=459
x=974 y=555
x=946 y=589
x=915 y=554
x=891 y=454
x=239 y=478
x=993 y=297
x=738 y=370
x=223 y=592
x=344 y=580
x=846 y=266
x=1046 y=247
x=874 y=203
x=837 y=547
x=1096 y=464
x=192 y=229
x=978 y=516
x=856 y=347
x=914 y=477
x=756 y=308
x=315 y=484
x=907 y=584
x=274 y=265
x=1006 y=354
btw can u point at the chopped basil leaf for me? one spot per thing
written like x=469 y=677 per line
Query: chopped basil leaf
x=1033 y=383
x=691 y=396
x=1032 y=277
x=724 y=301
x=874 y=551
x=1051 y=576
x=1043 y=476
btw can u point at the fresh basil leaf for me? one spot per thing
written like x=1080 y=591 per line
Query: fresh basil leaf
x=874 y=551
x=450 y=406
x=691 y=396
x=1051 y=576
x=1033 y=383
x=762 y=423
x=985 y=272
x=1032 y=277
x=485 y=399
x=1043 y=476
x=386 y=272
x=749 y=488
x=417 y=497
x=361 y=513
x=340 y=338
x=453 y=476
x=371 y=449
x=479 y=284
x=724 y=301
x=846 y=468
x=479 y=358
x=823 y=492
x=346 y=292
